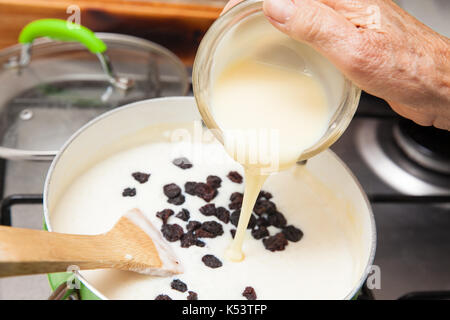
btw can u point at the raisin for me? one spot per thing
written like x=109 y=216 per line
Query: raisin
x=172 y=232
x=236 y=201
x=202 y=233
x=262 y=222
x=141 y=177
x=209 y=229
x=233 y=233
x=223 y=214
x=275 y=243
x=264 y=206
x=163 y=297
x=235 y=176
x=192 y=295
x=188 y=239
x=129 y=192
x=211 y=261
x=236 y=196
x=260 y=232
x=193 y=225
x=183 y=215
x=208 y=209
x=234 y=218
x=200 y=243
x=235 y=205
x=171 y=190
x=251 y=222
x=265 y=194
x=182 y=163
x=277 y=219
x=178 y=285
x=205 y=191
x=292 y=233
x=189 y=187
x=178 y=200
x=213 y=181
x=164 y=215
x=249 y=293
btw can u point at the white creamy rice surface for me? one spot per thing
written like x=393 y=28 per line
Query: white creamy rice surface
x=324 y=264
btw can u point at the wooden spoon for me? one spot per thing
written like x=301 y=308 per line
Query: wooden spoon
x=133 y=244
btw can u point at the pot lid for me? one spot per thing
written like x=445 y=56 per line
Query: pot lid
x=49 y=89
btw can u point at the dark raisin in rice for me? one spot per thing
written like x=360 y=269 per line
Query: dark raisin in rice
x=178 y=285
x=208 y=209
x=275 y=243
x=235 y=176
x=264 y=206
x=209 y=229
x=277 y=219
x=141 y=177
x=236 y=201
x=193 y=225
x=211 y=261
x=178 y=200
x=234 y=219
x=236 y=196
x=182 y=163
x=172 y=232
x=292 y=233
x=129 y=192
x=188 y=239
x=163 y=297
x=249 y=293
x=213 y=227
x=223 y=214
x=265 y=194
x=202 y=233
x=164 y=215
x=192 y=295
x=172 y=190
x=200 y=243
x=260 y=232
x=233 y=233
x=262 y=222
x=189 y=187
x=205 y=191
x=235 y=205
x=214 y=181
x=183 y=215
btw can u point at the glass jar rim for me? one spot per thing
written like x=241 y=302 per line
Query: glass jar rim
x=202 y=71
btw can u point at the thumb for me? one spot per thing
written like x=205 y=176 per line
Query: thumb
x=315 y=23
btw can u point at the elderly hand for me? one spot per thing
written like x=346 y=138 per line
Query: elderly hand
x=379 y=46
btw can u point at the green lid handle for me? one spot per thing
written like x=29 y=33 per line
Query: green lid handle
x=62 y=30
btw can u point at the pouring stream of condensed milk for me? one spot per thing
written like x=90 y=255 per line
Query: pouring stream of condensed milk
x=270 y=109
x=269 y=115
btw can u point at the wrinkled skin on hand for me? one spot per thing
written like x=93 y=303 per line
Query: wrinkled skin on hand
x=380 y=47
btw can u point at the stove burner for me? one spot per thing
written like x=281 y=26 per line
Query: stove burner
x=379 y=143
x=427 y=146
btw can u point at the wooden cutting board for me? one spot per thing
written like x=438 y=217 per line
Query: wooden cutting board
x=178 y=25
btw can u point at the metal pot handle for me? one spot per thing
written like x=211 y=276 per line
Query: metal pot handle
x=18 y=154
x=67 y=31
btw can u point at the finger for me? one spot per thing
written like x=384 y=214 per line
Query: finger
x=421 y=118
x=230 y=4
x=442 y=123
x=317 y=24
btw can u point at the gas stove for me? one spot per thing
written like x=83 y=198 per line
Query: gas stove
x=410 y=199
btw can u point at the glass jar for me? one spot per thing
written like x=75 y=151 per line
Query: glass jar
x=343 y=94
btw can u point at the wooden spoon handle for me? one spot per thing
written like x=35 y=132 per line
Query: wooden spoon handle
x=26 y=251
